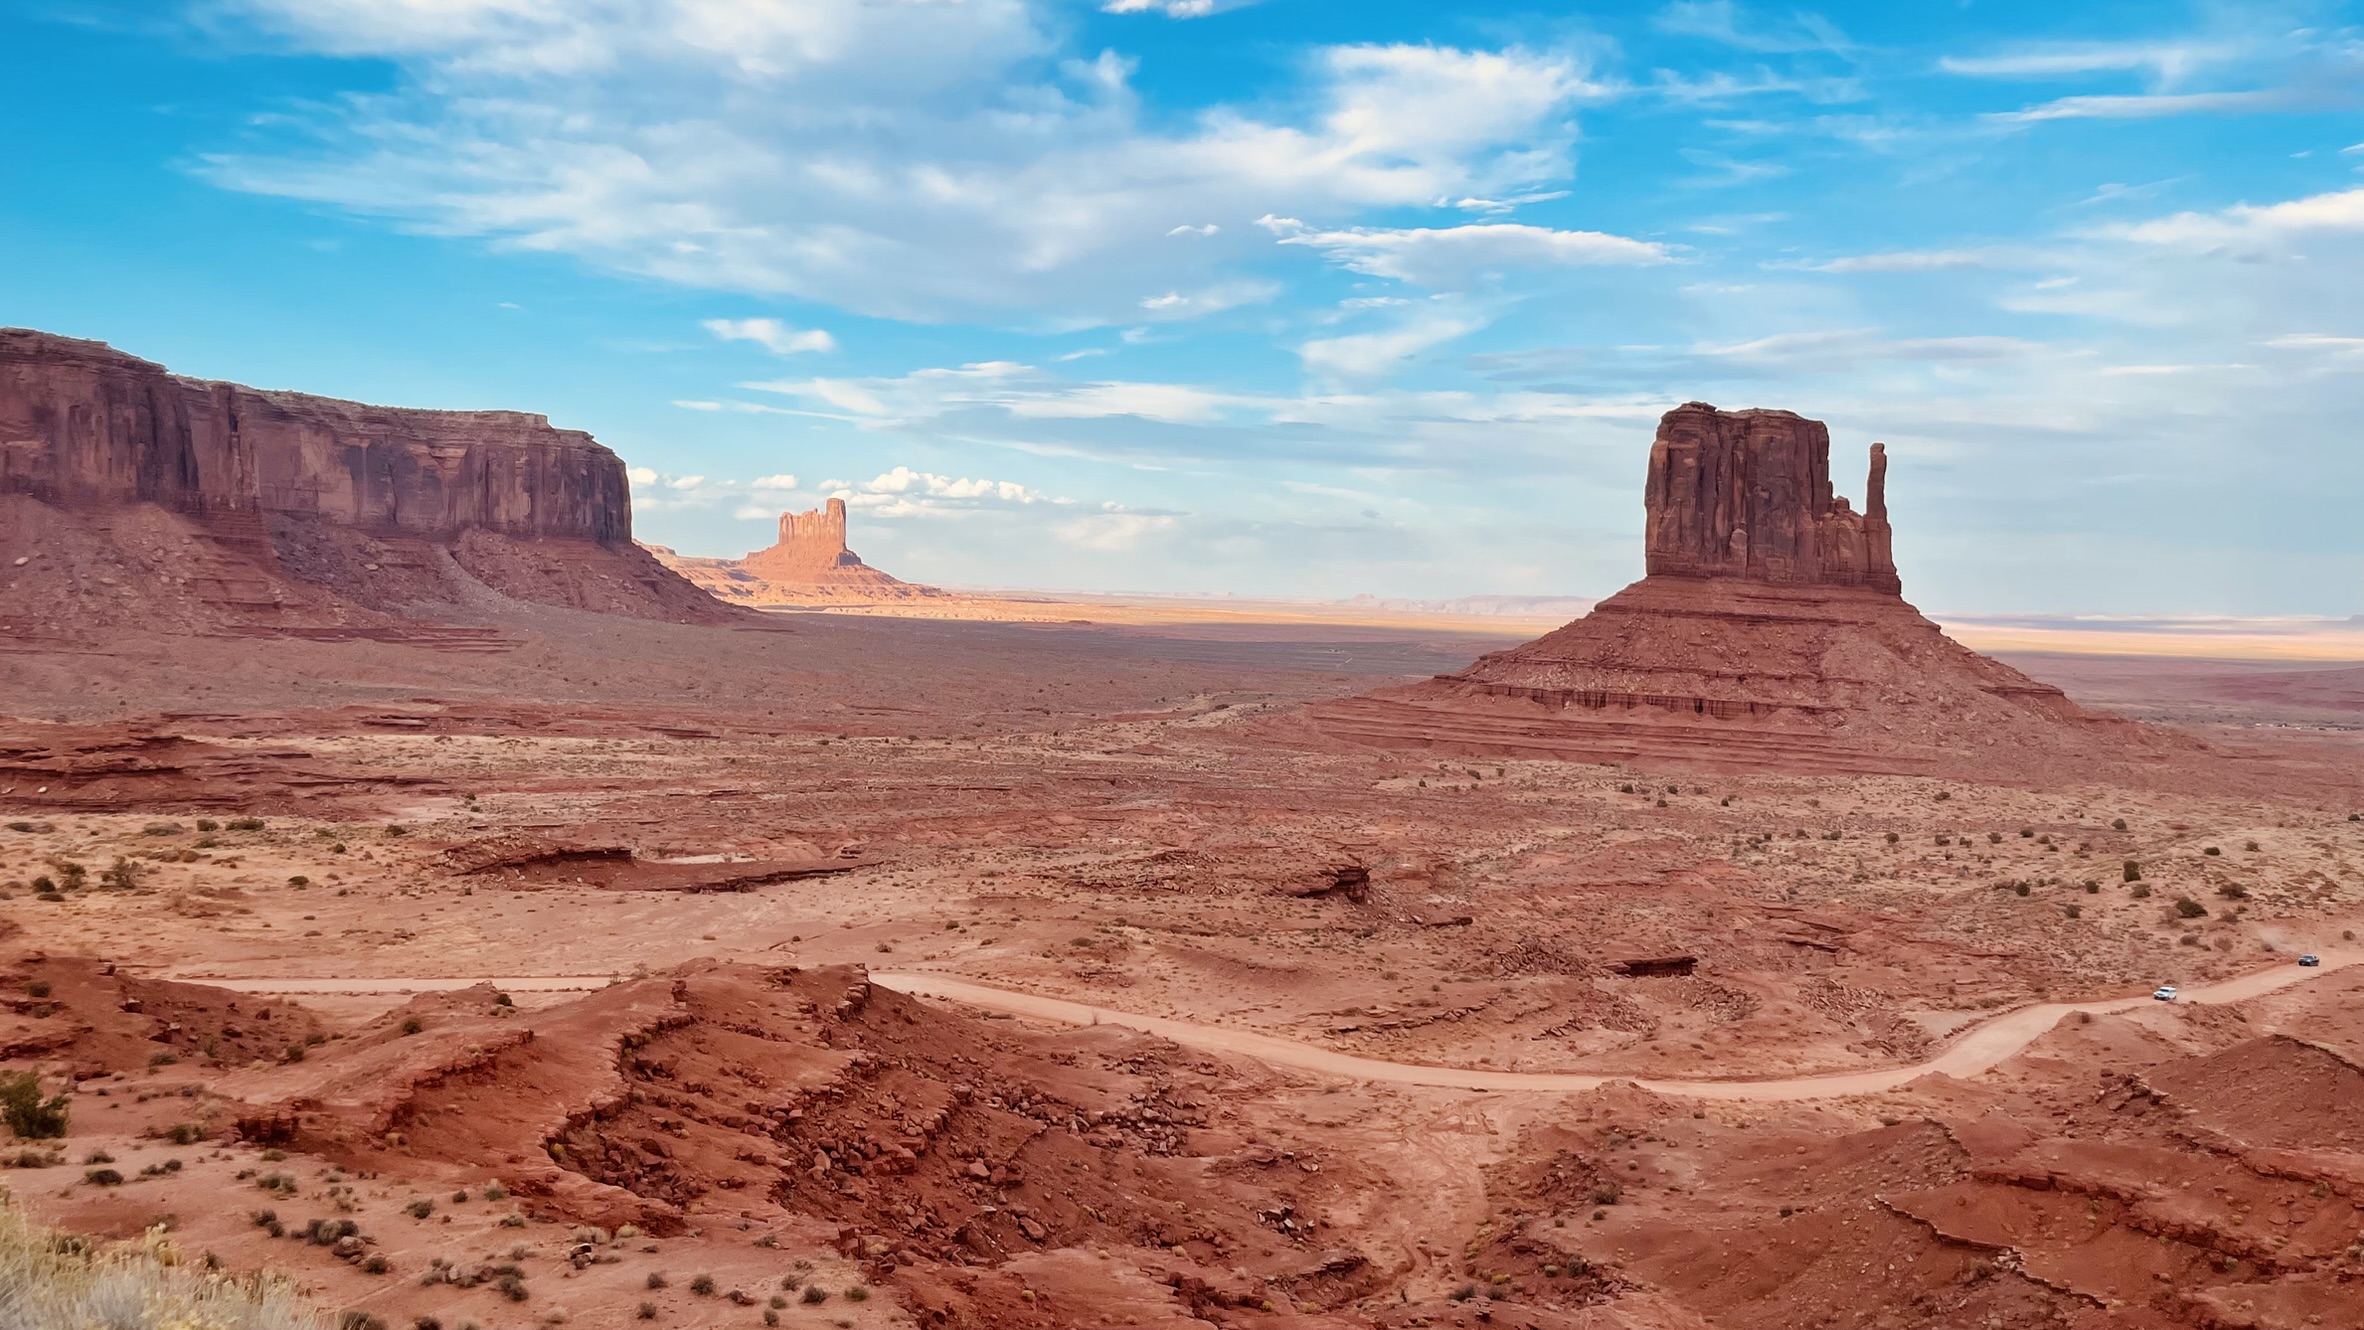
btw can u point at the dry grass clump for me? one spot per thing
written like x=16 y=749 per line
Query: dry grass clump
x=59 y=1281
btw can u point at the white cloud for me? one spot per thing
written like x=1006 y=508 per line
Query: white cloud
x=1724 y=22
x=1169 y=8
x=2340 y=211
x=917 y=161
x=2166 y=60
x=1112 y=532
x=1209 y=300
x=1834 y=348
x=771 y=334
x=1923 y=260
x=905 y=492
x=1369 y=355
x=2143 y=106
x=1446 y=256
x=782 y=481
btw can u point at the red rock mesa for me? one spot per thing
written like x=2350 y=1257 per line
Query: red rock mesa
x=201 y=503
x=1771 y=630
x=810 y=566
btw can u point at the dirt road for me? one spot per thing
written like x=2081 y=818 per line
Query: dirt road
x=1975 y=1050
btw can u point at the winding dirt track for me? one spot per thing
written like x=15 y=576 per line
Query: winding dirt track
x=1976 y=1050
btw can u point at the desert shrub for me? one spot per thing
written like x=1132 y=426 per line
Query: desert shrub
x=299 y=880
x=703 y=1286
x=278 y=1184
x=360 y=1321
x=656 y=1279
x=2020 y=888
x=511 y=1286
x=376 y=1265
x=420 y=1208
x=2189 y=908
x=2212 y=851
x=2117 y=824
x=857 y=1294
x=2074 y=911
x=1605 y=1194
x=103 y=1177
x=647 y=1312
x=185 y=1133
x=2233 y=891
x=815 y=1295
x=412 y=1025
x=30 y=1116
x=2142 y=891
x=2133 y=871
x=496 y=1192
x=244 y=824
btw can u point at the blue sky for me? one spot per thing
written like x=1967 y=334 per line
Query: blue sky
x=1286 y=298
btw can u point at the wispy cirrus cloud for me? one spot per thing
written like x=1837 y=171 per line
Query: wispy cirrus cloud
x=2140 y=106
x=2166 y=61
x=1446 y=256
x=772 y=335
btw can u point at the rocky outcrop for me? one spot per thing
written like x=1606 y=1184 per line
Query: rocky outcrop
x=380 y=506
x=1770 y=631
x=1748 y=494
x=809 y=568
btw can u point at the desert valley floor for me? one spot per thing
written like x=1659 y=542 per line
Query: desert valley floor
x=575 y=972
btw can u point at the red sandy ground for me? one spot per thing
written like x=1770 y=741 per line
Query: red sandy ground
x=673 y=849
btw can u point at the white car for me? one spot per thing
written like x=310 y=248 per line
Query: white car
x=2165 y=993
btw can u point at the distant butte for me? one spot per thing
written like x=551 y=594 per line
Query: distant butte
x=1770 y=631
x=809 y=567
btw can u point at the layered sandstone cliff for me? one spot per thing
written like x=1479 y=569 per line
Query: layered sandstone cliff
x=1771 y=630
x=295 y=506
x=809 y=567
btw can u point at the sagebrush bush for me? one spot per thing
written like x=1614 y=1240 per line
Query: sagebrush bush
x=30 y=1116
x=50 y=1280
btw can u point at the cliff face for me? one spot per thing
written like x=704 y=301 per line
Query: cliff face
x=1748 y=494
x=83 y=425
x=315 y=509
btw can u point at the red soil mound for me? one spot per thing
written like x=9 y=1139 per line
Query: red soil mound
x=945 y=1152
